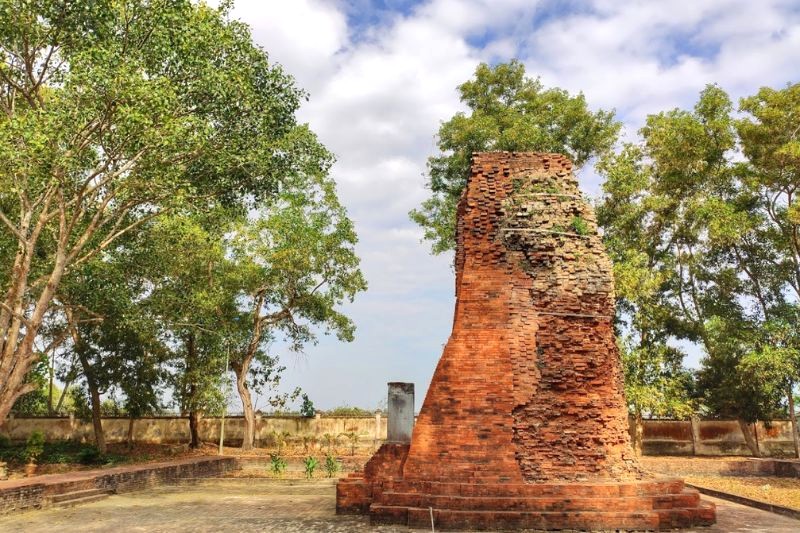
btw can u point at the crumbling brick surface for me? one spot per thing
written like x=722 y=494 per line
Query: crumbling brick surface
x=529 y=389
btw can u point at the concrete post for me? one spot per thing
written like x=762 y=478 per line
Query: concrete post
x=694 y=420
x=401 y=412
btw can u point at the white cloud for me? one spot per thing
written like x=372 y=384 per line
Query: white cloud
x=378 y=96
x=302 y=35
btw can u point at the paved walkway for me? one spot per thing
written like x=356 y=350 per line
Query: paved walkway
x=260 y=505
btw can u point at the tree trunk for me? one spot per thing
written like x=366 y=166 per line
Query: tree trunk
x=63 y=396
x=97 y=420
x=50 y=390
x=248 y=437
x=131 y=420
x=194 y=413
x=793 y=418
x=638 y=434
x=749 y=437
x=194 y=429
x=94 y=392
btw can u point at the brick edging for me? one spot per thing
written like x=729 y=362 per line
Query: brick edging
x=743 y=500
x=37 y=492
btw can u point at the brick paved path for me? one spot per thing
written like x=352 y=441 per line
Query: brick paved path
x=261 y=505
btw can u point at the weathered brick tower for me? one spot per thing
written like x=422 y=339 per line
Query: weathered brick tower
x=524 y=424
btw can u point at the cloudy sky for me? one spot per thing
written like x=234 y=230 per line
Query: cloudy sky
x=382 y=75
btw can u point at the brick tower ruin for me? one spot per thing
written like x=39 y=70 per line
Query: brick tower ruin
x=524 y=424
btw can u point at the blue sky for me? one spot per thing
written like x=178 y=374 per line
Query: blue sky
x=382 y=75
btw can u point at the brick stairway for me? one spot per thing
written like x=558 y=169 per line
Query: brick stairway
x=79 y=497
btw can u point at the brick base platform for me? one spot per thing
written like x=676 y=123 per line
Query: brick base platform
x=480 y=505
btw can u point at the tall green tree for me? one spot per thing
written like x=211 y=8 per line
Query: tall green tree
x=507 y=111
x=298 y=265
x=193 y=301
x=115 y=342
x=656 y=383
x=682 y=208
x=113 y=113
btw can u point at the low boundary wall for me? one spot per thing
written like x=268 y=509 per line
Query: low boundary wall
x=175 y=429
x=714 y=437
x=661 y=437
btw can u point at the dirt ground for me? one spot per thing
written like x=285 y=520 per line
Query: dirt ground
x=713 y=473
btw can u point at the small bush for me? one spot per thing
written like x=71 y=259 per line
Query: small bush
x=59 y=458
x=5 y=442
x=277 y=464
x=91 y=456
x=580 y=226
x=331 y=465
x=34 y=447
x=311 y=464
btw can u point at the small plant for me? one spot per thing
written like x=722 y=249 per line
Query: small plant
x=353 y=437
x=309 y=441
x=330 y=441
x=580 y=226
x=277 y=464
x=278 y=439
x=311 y=464
x=34 y=447
x=331 y=465
x=283 y=440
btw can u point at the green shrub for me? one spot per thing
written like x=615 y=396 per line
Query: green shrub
x=311 y=464
x=5 y=442
x=277 y=464
x=34 y=447
x=580 y=226
x=58 y=458
x=331 y=466
x=91 y=456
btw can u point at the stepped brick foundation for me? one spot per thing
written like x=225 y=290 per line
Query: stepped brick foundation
x=524 y=424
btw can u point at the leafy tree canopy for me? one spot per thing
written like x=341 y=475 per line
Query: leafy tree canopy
x=507 y=111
